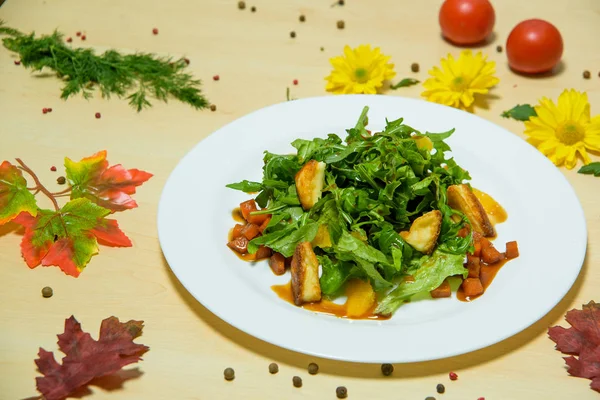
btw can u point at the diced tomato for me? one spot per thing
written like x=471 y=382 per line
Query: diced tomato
x=263 y=226
x=443 y=290
x=239 y=244
x=262 y=252
x=237 y=231
x=473 y=265
x=472 y=287
x=250 y=231
x=512 y=250
x=463 y=232
x=247 y=207
x=277 y=263
x=477 y=248
x=490 y=255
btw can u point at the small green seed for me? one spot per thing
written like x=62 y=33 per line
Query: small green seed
x=313 y=368
x=273 y=368
x=229 y=374
x=297 y=381
x=387 y=369
x=47 y=291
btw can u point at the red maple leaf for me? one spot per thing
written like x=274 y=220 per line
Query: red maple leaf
x=582 y=339
x=110 y=187
x=69 y=237
x=87 y=358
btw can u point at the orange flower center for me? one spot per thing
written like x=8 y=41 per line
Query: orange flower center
x=570 y=132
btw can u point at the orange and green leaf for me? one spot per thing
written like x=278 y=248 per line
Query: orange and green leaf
x=110 y=187
x=14 y=196
x=68 y=238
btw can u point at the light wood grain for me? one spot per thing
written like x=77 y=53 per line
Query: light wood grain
x=256 y=60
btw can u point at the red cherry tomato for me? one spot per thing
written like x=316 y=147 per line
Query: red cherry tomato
x=534 y=46
x=467 y=21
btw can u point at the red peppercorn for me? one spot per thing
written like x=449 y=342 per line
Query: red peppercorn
x=69 y=39
x=78 y=33
x=17 y=62
x=481 y=398
x=155 y=31
x=216 y=78
x=53 y=168
x=83 y=37
x=98 y=115
x=453 y=376
x=44 y=110
x=295 y=81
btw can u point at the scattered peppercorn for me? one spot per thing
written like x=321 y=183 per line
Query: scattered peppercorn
x=69 y=39
x=47 y=291
x=61 y=180
x=83 y=37
x=302 y=18
x=292 y=34
x=98 y=115
x=253 y=9
x=155 y=31
x=78 y=34
x=453 y=376
x=429 y=398
x=297 y=381
x=499 y=49
x=187 y=61
x=341 y=392
x=440 y=388
x=241 y=5
x=17 y=62
x=387 y=369
x=414 y=67
x=323 y=49
x=313 y=368
x=341 y=2
x=44 y=110
x=229 y=374
x=295 y=81
x=49 y=109
x=213 y=107
x=341 y=24
x=53 y=168
x=586 y=74
x=481 y=398
x=216 y=78
x=273 y=368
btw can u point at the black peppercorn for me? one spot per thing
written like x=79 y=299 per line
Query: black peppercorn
x=241 y=5
x=313 y=368
x=341 y=24
x=302 y=18
x=47 y=291
x=586 y=74
x=61 y=180
x=387 y=369
x=253 y=9
x=229 y=374
x=273 y=368
x=297 y=381
x=414 y=67
x=499 y=49
x=292 y=34
x=213 y=107
x=440 y=388
x=341 y=392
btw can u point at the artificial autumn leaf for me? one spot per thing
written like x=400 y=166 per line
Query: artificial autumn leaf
x=14 y=196
x=582 y=339
x=110 y=187
x=68 y=238
x=86 y=358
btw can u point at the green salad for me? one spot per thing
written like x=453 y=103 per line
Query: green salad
x=373 y=187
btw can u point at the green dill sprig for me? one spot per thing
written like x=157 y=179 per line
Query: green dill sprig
x=134 y=76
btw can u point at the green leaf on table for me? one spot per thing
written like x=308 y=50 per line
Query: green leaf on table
x=14 y=196
x=520 y=112
x=406 y=82
x=590 y=169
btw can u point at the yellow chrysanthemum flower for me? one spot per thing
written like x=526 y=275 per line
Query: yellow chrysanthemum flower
x=460 y=80
x=359 y=70
x=562 y=131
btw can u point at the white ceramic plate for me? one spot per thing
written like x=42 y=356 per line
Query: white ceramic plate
x=545 y=217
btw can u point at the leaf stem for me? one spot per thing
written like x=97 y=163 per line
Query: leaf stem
x=39 y=185
x=67 y=190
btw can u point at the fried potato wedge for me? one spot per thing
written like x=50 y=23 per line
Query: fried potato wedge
x=461 y=198
x=305 y=275
x=424 y=231
x=309 y=183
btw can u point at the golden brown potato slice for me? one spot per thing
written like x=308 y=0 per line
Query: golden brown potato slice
x=461 y=198
x=424 y=231
x=309 y=183
x=305 y=275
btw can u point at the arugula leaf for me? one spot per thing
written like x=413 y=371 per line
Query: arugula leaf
x=520 y=112
x=590 y=169
x=350 y=248
x=246 y=186
x=335 y=274
x=430 y=274
x=285 y=241
x=405 y=83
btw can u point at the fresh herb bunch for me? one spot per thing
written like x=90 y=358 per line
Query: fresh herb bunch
x=135 y=76
x=375 y=186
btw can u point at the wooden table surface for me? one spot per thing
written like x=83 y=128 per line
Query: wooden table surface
x=256 y=60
